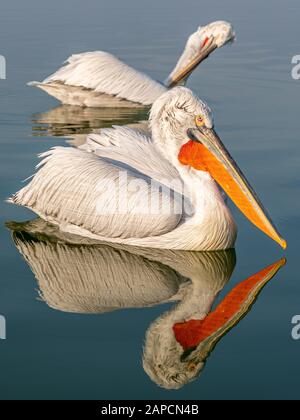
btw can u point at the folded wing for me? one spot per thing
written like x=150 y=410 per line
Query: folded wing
x=104 y=195
x=104 y=73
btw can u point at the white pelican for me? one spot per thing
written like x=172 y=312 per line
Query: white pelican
x=99 y=79
x=81 y=278
x=112 y=194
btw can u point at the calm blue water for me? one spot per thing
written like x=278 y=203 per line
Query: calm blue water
x=53 y=354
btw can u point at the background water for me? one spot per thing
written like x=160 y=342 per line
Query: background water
x=50 y=354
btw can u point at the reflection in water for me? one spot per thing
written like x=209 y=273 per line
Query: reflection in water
x=94 y=278
x=76 y=122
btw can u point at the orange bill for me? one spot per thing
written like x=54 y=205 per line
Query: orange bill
x=206 y=152
x=228 y=313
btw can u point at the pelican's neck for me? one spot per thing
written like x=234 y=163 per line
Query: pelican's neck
x=196 y=300
x=202 y=190
x=198 y=186
x=187 y=55
x=208 y=222
x=179 y=67
x=162 y=358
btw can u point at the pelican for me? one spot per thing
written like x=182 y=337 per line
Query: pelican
x=99 y=79
x=76 y=276
x=156 y=192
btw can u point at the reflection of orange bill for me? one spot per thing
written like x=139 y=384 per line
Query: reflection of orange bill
x=229 y=312
x=206 y=152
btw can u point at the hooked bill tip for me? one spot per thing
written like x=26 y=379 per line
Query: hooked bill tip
x=282 y=262
x=283 y=244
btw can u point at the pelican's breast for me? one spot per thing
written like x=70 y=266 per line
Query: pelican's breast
x=211 y=226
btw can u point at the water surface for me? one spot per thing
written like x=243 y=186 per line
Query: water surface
x=51 y=353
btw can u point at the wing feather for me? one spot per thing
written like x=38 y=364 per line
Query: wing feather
x=103 y=72
x=136 y=150
x=76 y=189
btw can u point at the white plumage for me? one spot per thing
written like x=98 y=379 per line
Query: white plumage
x=102 y=73
x=99 y=79
x=77 y=276
x=73 y=187
x=94 y=279
x=66 y=190
x=221 y=32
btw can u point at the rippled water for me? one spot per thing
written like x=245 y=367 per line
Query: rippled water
x=51 y=352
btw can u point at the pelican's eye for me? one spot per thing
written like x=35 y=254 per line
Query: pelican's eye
x=199 y=121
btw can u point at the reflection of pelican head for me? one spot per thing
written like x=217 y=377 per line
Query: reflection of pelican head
x=176 y=351
x=164 y=359
x=76 y=275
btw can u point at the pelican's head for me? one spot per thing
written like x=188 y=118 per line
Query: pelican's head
x=198 y=47
x=183 y=129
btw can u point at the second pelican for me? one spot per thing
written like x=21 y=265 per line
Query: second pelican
x=99 y=79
